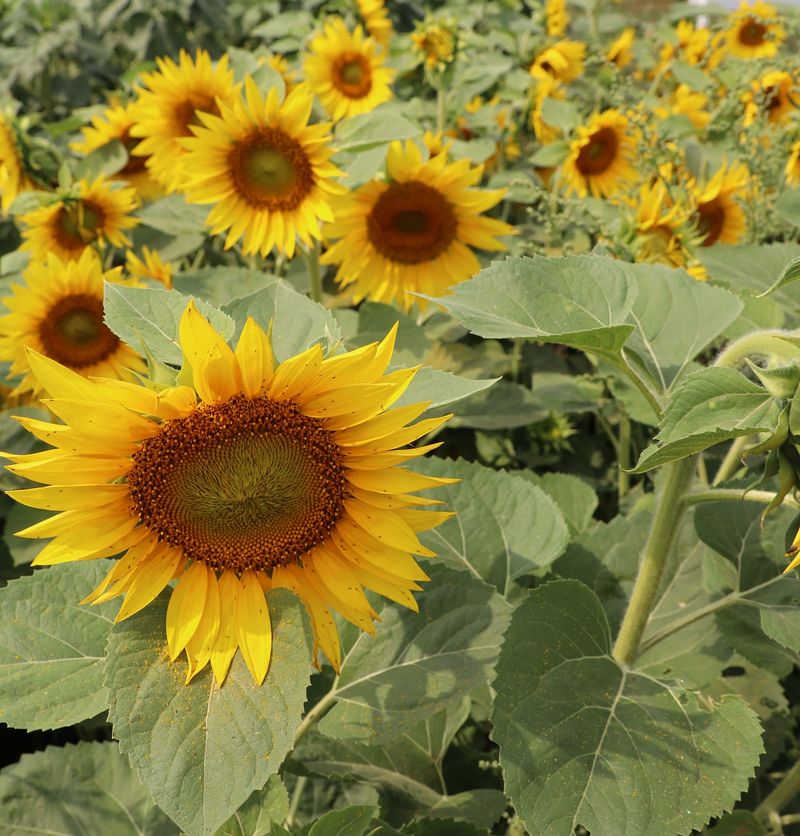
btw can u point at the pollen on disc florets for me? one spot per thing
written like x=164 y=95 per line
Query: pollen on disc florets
x=249 y=484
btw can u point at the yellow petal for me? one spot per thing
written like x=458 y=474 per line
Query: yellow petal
x=199 y=647
x=296 y=373
x=386 y=527
x=72 y=497
x=254 y=356
x=225 y=645
x=213 y=364
x=152 y=575
x=253 y=627
x=186 y=606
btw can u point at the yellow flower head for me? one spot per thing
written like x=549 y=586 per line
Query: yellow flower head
x=376 y=20
x=414 y=232
x=97 y=213
x=601 y=157
x=115 y=124
x=149 y=266
x=14 y=180
x=792 y=170
x=775 y=95
x=718 y=214
x=621 y=52
x=436 y=41
x=690 y=45
x=686 y=102
x=557 y=17
x=265 y=169
x=345 y=70
x=754 y=31
x=256 y=476
x=546 y=88
x=282 y=68
x=58 y=312
x=563 y=61
x=660 y=227
x=170 y=105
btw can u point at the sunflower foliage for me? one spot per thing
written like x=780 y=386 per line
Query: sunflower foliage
x=400 y=412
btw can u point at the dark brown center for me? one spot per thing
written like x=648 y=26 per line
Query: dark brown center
x=710 y=220
x=599 y=152
x=752 y=33
x=74 y=334
x=78 y=223
x=186 y=112
x=352 y=75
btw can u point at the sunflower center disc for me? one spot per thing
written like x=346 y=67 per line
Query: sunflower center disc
x=248 y=484
x=271 y=170
x=411 y=223
x=752 y=33
x=78 y=224
x=135 y=165
x=186 y=113
x=710 y=221
x=353 y=76
x=599 y=153
x=74 y=334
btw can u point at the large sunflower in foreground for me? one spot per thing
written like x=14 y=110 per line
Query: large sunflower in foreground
x=115 y=123
x=345 y=70
x=96 y=213
x=13 y=177
x=754 y=31
x=414 y=232
x=267 y=170
x=59 y=313
x=719 y=216
x=170 y=105
x=601 y=156
x=253 y=477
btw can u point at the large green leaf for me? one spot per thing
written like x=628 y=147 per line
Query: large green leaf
x=51 y=648
x=575 y=498
x=85 y=789
x=202 y=749
x=349 y=821
x=584 y=741
x=220 y=285
x=257 y=815
x=418 y=663
x=441 y=388
x=173 y=215
x=378 y=127
x=504 y=526
x=147 y=318
x=710 y=405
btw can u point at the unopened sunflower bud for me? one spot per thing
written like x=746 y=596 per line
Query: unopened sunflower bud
x=779 y=381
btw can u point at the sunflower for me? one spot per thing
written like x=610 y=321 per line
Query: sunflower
x=686 y=102
x=718 y=215
x=376 y=20
x=149 y=266
x=774 y=95
x=754 y=31
x=14 y=180
x=251 y=478
x=690 y=45
x=792 y=170
x=95 y=213
x=345 y=70
x=436 y=42
x=660 y=225
x=265 y=168
x=546 y=88
x=59 y=313
x=557 y=17
x=282 y=68
x=414 y=232
x=562 y=61
x=170 y=105
x=601 y=156
x=115 y=124
x=621 y=52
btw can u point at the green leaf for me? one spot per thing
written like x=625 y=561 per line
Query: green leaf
x=689 y=75
x=150 y=317
x=504 y=405
x=710 y=405
x=788 y=206
x=349 y=821
x=106 y=160
x=296 y=321
x=560 y=114
x=87 y=788
x=580 y=301
x=418 y=663
x=504 y=526
x=441 y=388
x=737 y=823
x=550 y=155
x=199 y=748
x=220 y=285
x=21 y=549
x=174 y=216
x=586 y=742
x=376 y=320
x=51 y=648
x=379 y=126
x=789 y=274
x=257 y=815
x=575 y=498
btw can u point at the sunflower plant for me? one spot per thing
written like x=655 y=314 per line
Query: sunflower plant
x=400 y=419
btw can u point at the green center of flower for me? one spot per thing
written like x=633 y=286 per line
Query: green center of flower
x=599 y=153
x=271 y=170
x=247 y=484
x=411 y=222
x=352 y=75
x=74 y=334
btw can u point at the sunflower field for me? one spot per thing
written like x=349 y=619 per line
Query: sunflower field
x=400 y=418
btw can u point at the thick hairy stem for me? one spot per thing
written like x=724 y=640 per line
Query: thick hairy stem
x=758 y=344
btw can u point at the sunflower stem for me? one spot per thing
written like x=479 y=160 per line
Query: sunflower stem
x=315 y=714
x=669 y=512
x=314 y=275
x=624 y=457
x=297 y=795
x=732 y=461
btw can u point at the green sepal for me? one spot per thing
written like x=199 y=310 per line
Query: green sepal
x=787 y=481
x=777 y=438
x=780 y=381
x=794 y=414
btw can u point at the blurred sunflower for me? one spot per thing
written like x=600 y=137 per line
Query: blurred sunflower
x=14 y=180
x=59 y=313
x=376 y=20
x=754 y=31
x=775 y=95
x=557 y=17
x=660 y=226
x=282 y=68
x=149 y=266
x=436 y=42
x=115 y=123
x=345 y=70
x=253 y=477
x=267 y=170
x=414 y=232
x=546 y=88
x=170 y=105
x=93 y=213
x=718 y=215
x=621 y=52
x=601 y=157
x=686 y=102
x=690 y=45
x=562 y=61
x=792 y=170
